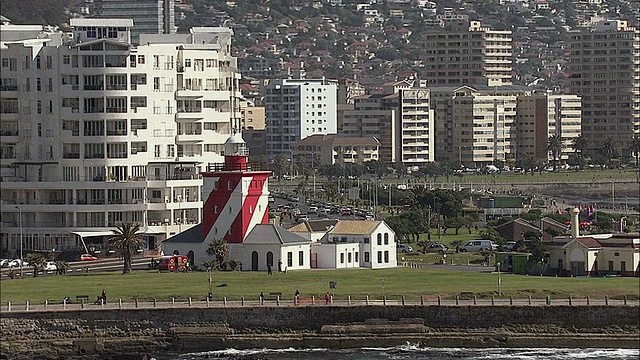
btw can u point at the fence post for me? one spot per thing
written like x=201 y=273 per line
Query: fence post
x=155 y=302
x=588 y=300
x=136 y=302
x=384 y=300
x=403 y=300
x=548 y=299
x=457 y=300
x=439 y=300
x=367 y=300
x=606 y=299
x=46 y=302
x=224 y=300
x=570 y=300
x=475 y=300
x=529 y=300
x=27 y=306
x=349 y=300
x=64 y=304
x=242 y=301
x=120 y=303
x=9 y=306
x=493 y=300
x=278 y=300
x=625 y=299
x=510 y=300
x=313 y=299
x=189 y=302
x=421 y=300
x=173 y=302
x=81 y=303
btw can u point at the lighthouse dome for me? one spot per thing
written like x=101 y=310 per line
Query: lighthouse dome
x=235 y=145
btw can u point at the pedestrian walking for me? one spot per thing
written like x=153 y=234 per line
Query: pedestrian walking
x=269 y=270
x=261 y=298
x=327 y=298
x=296 y=297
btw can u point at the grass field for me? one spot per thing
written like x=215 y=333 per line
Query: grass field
x=412 y=283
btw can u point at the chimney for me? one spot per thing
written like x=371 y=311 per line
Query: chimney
x=575 y=223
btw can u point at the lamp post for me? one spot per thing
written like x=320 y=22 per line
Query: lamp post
x=499 y=280
x=210 y=294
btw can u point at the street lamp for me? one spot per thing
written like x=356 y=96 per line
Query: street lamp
x=21 y=237
x=210 y=294
x=499 y=280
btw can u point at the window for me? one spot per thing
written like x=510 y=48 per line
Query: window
x=117 y=150
x=367 y=257
x=229 y=185
x=341 y=258
x=94 y=151
x=379 y=239
x=300 y=258
x=117 y=127
x=356 y=257
x=386 y=238
x=289 y=259
x=386 y=256
x=367 y=240
x=379 y=257
x=93 y=128
x=349 y=258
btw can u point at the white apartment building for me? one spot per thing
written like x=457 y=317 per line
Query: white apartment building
x=464 y=52
x=604 y=64
x=297 y=108
x=97 y=132
x=416 y=127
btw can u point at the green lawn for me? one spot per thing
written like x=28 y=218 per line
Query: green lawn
x=412 y=283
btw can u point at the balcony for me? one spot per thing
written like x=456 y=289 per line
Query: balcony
x=190 y=136
x=189 y=116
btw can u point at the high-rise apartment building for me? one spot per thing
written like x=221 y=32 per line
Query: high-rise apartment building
x=374 y=115
x=466 y=53
x=540 y=116
x=96 y=132
x=475 y=125
x=297 y=108
x=604 y=64
x=149 y=16
x=415 y=127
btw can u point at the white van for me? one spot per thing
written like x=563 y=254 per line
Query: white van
x=479 y=245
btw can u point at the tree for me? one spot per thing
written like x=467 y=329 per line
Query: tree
x=580 y=144
x=634 y=149
x=127 y=239
x=279 y=164
x=609 y=148
x=61 y=267
x=38 y=261
x=219 y=249
x=555 y=147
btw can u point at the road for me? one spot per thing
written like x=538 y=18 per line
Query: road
x=100 y=265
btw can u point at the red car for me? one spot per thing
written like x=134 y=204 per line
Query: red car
x=87 y=257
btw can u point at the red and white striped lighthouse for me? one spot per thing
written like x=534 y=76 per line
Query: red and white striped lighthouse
x=237 y=195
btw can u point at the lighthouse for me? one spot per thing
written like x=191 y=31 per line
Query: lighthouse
x=236 y=193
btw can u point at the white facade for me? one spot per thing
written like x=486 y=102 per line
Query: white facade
x=97 y=132
x=416 y=127
x=356 y=243
x=298 y=108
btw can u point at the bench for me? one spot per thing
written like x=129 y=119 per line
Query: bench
x=80 y=298
x=275 y=295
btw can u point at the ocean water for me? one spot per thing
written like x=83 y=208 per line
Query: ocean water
x=410 y=352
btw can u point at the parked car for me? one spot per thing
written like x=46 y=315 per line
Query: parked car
x=404 y=248
x=4 y=262
x=50 y=266
x=479 y=245
x=313 y=209
x=87 y=257
x=437 y=248
x=302 y=217
x=18 y=263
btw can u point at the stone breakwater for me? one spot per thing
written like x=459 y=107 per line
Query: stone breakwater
x=119 y=333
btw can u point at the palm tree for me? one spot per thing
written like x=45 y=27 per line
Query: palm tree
x=219 y=249
x=634 y=149
x=38 y=261
x=126 y=241
x=609 y=148
x=555 y=147
x=580 y=144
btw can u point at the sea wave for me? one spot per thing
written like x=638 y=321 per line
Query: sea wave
x=415 y=352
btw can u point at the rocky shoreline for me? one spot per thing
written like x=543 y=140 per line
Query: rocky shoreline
x=135 y=334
